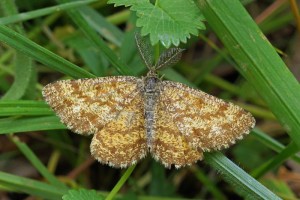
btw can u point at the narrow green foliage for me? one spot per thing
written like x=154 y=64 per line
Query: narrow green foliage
x=100 y=24
x=41 y=54
x=247 y=186
x=82 y=194
x=35 y=161
x=23 y=64
x=160 y=184
x=282 y=189
x=81 y=19
x=22 y=78
x=16 y=125
x=24 y=107
x=209 y=184
x=120 y=183
x=41 y=12
x=32 y=187
x=285 y=154
x=272 y=143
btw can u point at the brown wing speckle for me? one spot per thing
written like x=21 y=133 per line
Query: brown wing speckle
x=86 y=105
x=122 y=142
x=186 y=122
x=169 y=145
x=207 y=123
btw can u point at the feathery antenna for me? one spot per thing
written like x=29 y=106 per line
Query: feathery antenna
x=145 y=50
x=168 y=57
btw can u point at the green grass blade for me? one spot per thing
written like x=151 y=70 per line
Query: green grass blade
x=22 y=63
x=23 y=72
x=120 y=183
x=257 y=60
x=32 y=187
x=271 y=143
x=41 y=54
x=248 y=187
x=37 y=163
x=285 y=154
x=15 y=125
x=24 y=107
x=81 y=19
x=107 y=30
x=209 y=184
x=41 y=12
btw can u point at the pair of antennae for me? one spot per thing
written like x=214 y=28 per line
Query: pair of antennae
x=167 y=58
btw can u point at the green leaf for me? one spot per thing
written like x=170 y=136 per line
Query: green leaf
x=168 y=21
x=82 y=194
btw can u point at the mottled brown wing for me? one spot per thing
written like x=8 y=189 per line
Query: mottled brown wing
x=208 y=123
x=122 y=142
x=169 y=146
x=86 y=105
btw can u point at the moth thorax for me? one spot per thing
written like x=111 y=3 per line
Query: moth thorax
x=151 y=84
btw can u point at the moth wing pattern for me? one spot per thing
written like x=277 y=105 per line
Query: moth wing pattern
x=86 y=105
x=169 y=146
x=122 y=142
x=207 y=123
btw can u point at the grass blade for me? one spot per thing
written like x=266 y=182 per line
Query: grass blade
x=41 y=12
x=271 y=143
x=23 y=74
x=23 y=64
x=29 y=186
x=41 y=54
x=247 y=185
x=285 y=154
x=24 y=107
x=37 y=163
x=81 y=19
x=120 y=183
x=15 y=125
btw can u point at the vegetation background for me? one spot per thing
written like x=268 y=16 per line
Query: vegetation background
x=44 y=41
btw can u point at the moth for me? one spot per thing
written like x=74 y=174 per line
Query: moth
x=130 y=117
